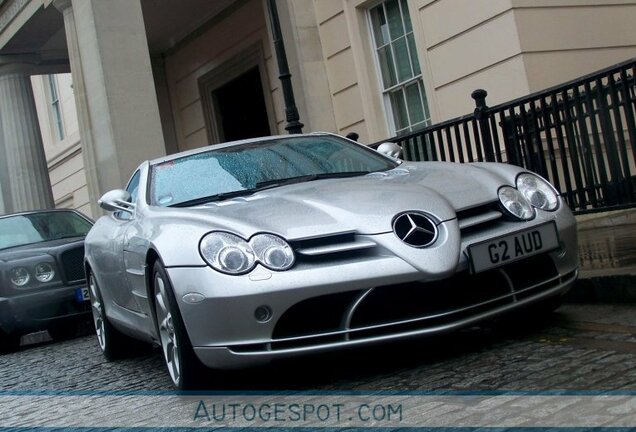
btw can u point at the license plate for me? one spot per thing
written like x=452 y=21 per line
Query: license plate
x=81 y=294
x=512 y=247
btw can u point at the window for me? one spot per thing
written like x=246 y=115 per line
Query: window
x=133 y=190
x=133 y=186
x=402 y=85
x=55 y=108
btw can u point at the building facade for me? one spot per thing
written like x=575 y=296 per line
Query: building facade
x=152 y=77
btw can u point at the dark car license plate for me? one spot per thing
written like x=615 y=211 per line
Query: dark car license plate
x=512 y=247
x=81 y=294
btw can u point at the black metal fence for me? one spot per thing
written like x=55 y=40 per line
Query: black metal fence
x=579 y=135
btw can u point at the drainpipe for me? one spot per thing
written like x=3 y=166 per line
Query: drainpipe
x=294 y=126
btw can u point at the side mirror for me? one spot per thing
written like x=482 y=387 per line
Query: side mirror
x=117 y=200
x=390 y=149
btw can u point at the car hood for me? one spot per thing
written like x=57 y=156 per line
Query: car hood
x=365 y=204
x=37 y=249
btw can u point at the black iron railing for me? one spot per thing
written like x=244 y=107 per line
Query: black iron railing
x=579 y=135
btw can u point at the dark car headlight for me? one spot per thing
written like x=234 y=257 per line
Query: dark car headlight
x=229 y=253
x=44 y=272
x=515 y=203
x=32 y=273
x=538 y=192
x=19 y=276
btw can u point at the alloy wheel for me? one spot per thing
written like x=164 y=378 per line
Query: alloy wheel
x=165 y=324
x=98 y=313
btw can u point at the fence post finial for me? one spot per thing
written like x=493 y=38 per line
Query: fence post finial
x=480 y=98
x=482 y=116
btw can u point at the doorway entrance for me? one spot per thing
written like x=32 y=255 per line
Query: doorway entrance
x=240 y=107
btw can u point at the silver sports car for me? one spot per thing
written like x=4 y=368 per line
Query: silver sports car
x=246 y=252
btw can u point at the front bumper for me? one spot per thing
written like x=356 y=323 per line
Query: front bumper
x=314 y=305
x=41 y=309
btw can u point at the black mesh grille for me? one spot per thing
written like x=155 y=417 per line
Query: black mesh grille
x=426 y=304
x=73 y=264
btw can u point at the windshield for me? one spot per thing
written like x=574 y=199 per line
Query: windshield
x=40 y=227
x=242 y=169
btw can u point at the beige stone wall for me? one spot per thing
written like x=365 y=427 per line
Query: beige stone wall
x=64 y=157
x=303 y=45
x=465 y=45
x=575 y=37
x=353 y=82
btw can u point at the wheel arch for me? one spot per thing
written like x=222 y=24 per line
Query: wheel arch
x=152 y=256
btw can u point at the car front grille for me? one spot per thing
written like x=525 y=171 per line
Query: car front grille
x=336 y=247
x=349 y=245
x=404 y=308
x=73 y=264
x=477 y=218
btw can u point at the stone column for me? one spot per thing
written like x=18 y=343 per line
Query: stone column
x=81 y=106
x=26 y=169
x=114 y=90
x=5 y=194
x=5 y=197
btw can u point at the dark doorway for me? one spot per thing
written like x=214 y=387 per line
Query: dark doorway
x=240 y=108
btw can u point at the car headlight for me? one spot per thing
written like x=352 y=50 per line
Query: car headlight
x=44 y=272
x=539 y=192
x=19 y=276
x=227 y=253
x=272 y=251
x=515 y=203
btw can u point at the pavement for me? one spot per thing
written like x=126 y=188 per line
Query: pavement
x=607 y=252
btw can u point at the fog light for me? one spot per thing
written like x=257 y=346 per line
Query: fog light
x=193 y=298
x=263 y=314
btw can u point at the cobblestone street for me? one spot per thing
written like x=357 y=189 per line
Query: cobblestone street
x=579 y=347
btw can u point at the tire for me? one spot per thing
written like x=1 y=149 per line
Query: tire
x=184 y=368
x=9 y=342
x=111 y=341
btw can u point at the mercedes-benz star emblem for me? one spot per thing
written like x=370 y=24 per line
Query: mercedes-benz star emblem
x=415 y=229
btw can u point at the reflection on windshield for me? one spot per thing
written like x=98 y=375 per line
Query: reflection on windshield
x=40 y=227
x=228 y=171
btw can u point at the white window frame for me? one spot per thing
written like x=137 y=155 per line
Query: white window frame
x=55 y=107
x=386 y=92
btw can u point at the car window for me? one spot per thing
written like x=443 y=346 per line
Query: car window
x=133 y=186
x=243 y=167
x=133 y=190
x=39 y=227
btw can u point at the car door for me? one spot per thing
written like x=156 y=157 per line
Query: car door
x=119 y=224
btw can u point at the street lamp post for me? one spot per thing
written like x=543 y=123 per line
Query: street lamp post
x=294 y=126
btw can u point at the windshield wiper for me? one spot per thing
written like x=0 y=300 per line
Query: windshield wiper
x=268 y=184
x=306 y=178
x=212 y=198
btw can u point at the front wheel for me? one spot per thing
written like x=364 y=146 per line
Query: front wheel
x=184 y=367
x=111 y=341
